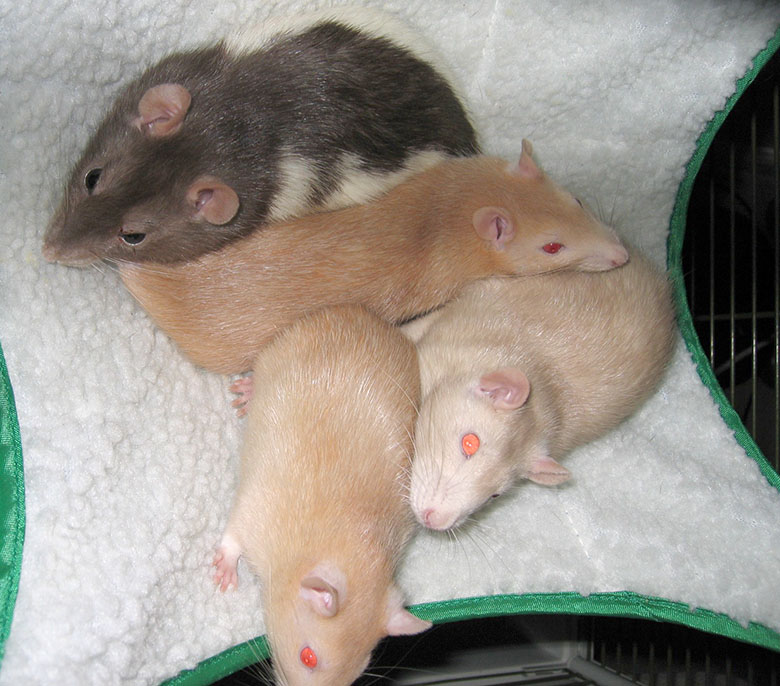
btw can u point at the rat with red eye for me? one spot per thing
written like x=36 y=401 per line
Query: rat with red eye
x=517 y=373
x=400 y=255
x=321 y=511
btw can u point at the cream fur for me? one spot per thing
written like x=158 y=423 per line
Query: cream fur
x=323 y=485
x=594 y=347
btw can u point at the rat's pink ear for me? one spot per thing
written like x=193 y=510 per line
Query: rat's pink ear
x=506 y=388
x=494 y=224
x=213 y=200
x=321 y=596
x=546 y=471
x=161 y=110
x=401 y=622
x=525 y=167
x=404 y=623
x=324 y=589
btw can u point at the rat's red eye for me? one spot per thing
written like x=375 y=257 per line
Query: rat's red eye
x=470 y=444
x=308 y=657
x=552 y=248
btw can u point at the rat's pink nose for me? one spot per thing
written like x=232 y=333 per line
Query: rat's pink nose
x=620 y=256
x=434 y=519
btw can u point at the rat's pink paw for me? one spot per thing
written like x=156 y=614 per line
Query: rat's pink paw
x=244 y=389
x=226 y=563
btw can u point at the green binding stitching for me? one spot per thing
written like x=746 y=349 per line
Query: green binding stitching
x=674 y=262
x=224 y=664
x=11 y=505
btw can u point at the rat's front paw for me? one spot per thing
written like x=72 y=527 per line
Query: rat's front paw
x=244 y=389
x=226 y=563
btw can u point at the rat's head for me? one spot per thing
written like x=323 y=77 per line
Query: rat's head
x=138 y=193
x=475 y=437
x=323 y=625
x=538 y=227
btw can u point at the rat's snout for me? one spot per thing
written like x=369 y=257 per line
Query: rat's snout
x=434 y=496
x=433 y=519
x=619 y=256
x=437 y=517
x=54 y=253
x=608 y=256
x=49 y=252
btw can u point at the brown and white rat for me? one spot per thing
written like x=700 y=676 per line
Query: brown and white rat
x=321 y=511
x=517 y=373
x=402 y=254
x=209 y=144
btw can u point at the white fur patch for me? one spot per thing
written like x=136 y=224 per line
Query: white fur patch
x=375 y=23
x=359 y=186
x=297 y=177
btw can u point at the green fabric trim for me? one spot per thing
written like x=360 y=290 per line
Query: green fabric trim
x=11 y=505
x=622 y=603
x=674 y=263
x=222 y=665
x=618 y=604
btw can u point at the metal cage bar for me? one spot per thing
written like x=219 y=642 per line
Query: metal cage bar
x=731 y=259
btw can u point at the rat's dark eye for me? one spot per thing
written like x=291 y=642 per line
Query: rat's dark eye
x=495 y=495
x=91 y=179
x=132 y=238
x=579 y=202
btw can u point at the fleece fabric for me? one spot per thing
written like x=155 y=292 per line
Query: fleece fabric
x=130 y=452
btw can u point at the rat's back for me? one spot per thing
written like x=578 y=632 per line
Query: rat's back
x=321 y=511
x=328 y=435
x=597 y=342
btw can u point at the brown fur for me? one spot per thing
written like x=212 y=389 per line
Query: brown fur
x=404 y=254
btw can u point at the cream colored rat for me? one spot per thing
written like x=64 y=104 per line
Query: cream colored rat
x=517 y=373
x=320 y=512
x=401 y=255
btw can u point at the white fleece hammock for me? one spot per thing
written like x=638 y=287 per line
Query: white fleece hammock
x=130 y=452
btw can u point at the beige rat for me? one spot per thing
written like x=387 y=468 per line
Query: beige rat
x=320 y=512
x=403 y=254
x=517 y=373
